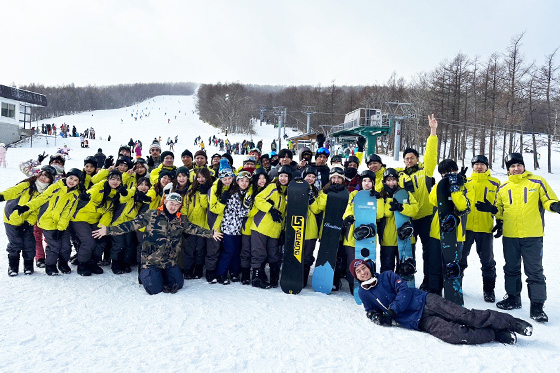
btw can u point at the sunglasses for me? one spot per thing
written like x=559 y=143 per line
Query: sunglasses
x=154 y=150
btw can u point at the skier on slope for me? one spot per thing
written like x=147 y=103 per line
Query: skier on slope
x=387 y=299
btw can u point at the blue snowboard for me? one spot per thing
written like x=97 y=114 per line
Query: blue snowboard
x=323 y=274
x=365 y=212
x=405 y=246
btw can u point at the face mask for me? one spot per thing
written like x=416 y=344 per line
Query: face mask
x=274 y=162
x=350 y=172
x=59 y=169
x=41 y=186
x=390 y=191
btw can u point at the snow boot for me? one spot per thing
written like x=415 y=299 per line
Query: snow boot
x=170 y=289
x=234 y=277
x=259 y=280
x=510 y=302
x=188 y=273
x=94 y=267
x=83 y=269
x=198 y=271
x=211 y=276
x=505 y=336
x=523 y=327
x=40 y=263
x=537 y=312
x=13 y=268
x=28 y=266
x=116 y=267
x=245 y=276
x=126 y=267
x=224 y=280
x=51 y=270
x=63 y=266
x=274 y=275
x=306 y=270
x=488 y=285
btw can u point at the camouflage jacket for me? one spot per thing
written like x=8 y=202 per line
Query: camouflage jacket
x=162 y=239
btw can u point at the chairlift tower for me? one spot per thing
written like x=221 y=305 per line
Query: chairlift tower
x=308 y=110
x=262 y=109
x=399 y=111
x=280 y=112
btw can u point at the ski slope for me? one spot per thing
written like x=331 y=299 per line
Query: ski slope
x=108 y=322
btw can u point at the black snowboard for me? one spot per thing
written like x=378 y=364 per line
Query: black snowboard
x=291 y=281
x=323 y=274
x=452 y=287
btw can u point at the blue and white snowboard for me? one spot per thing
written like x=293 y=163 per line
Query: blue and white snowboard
x=405 y=246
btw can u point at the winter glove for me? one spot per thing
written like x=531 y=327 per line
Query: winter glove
x=2 y=198
x=142 y=197
x=203 y=188
x=348 y=221
x=41 y=157
x=84 y=196
x=320 y=140
x=409 y=186
x=498 y=228
x=276 y=215
x=486 y=206
x=396 y=206
x=373 y=316
x=311 y=196
x=335 y=188
x=361 y=142
x=108 y=162
x=225 y=197
x=553 y=206
x=270 y=201
x=247 y=202
x=374 y=193
x=21 y=209
x=168 y=188
x=455 y=182
x=150 y=161
x=386 y=318
x=123 y=191
x=449 y=222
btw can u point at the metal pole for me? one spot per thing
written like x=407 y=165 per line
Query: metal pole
x=397 y=146
x=280 y=121
x=262 y=116
x=308 y=122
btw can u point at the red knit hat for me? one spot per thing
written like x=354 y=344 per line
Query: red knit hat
x=355 y=263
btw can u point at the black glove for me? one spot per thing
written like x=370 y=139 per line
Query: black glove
x=456 y=181
x=150 y=161
x=41 y=157
x=84 y=196
x=361 y=142
x=311 y=196
x=108 y=162
x=386 y=318
x=553 y=206
x=2 y=198
x=142 y=197
x=21 y=209
x=247 y=202
x=203 y=188
x=373 y=316
x=396 y=206
x=320 y=140
x=225 y=197
x=498 y=228
x=270 y=201
x=348 y=221
x=374 y=193
x=335 y=188
x=276 y=215
x=123 y=191
x=486 y=206
x=463 y=173
x=409 y=186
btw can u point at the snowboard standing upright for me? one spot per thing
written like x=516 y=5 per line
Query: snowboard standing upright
x=291 y=281
x=365 y=212
x=451 y=255
x=323 y=274
x=405 y=246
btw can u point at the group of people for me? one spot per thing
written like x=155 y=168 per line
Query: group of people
x=205 y=218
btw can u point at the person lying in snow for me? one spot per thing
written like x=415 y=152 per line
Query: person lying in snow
x=387 y=299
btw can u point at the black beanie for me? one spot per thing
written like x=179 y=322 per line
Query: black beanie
x=165 y=154
x=186 y=152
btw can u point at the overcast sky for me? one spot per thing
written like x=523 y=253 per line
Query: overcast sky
x=261 y=42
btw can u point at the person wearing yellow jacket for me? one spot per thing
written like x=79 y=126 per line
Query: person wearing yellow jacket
x=457 y=220
x=388 y=240
x=417 y=179
x=55 y=207
x=481 y=192
x=155 y=193
x=167 y=159
x=89 y=171
x=99 y=202
x=195 y=208
x=309 y=174
x=521 y=202
x=217 y=201
x=266 y=229
x=349 y=242
x=375 y=164
x=18 y=222
x=259 y=181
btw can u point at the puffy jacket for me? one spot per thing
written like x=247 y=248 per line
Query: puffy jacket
x=156 y=198
x=55 y=206
x=389 y=236
x=127 y=179
x=481 y=186
x=215 y=212
x=154 y=174
x=349 y=233
x=422 y=178
x=88 y=183
x=195 y=208
x=392 y=292
x=521 y=202
x=128 y=208
x=19 y=195
x=91 y=212
x=461 y=204
x=262 y=221
x=379 y=179
x=194 y=170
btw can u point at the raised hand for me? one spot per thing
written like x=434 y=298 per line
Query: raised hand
x=432 y=121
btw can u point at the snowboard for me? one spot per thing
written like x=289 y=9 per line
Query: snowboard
x=323 y=274
x=365 y=212
x=291 y=281
x=405 y=246
x=452 y=287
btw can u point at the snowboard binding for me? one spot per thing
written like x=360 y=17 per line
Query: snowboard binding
x=449 y=223
x=364 y=231
x=405 y=231
x=452 y=270
x=407 y=267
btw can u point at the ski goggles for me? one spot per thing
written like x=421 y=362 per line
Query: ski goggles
x=243 y=174
x=323 y=151
x=175 y=197
x=479 y=159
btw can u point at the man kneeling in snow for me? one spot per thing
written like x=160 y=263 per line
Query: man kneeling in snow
x=387 y=298
x=162 y=242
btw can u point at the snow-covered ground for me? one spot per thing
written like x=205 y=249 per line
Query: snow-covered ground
x=109 y=323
